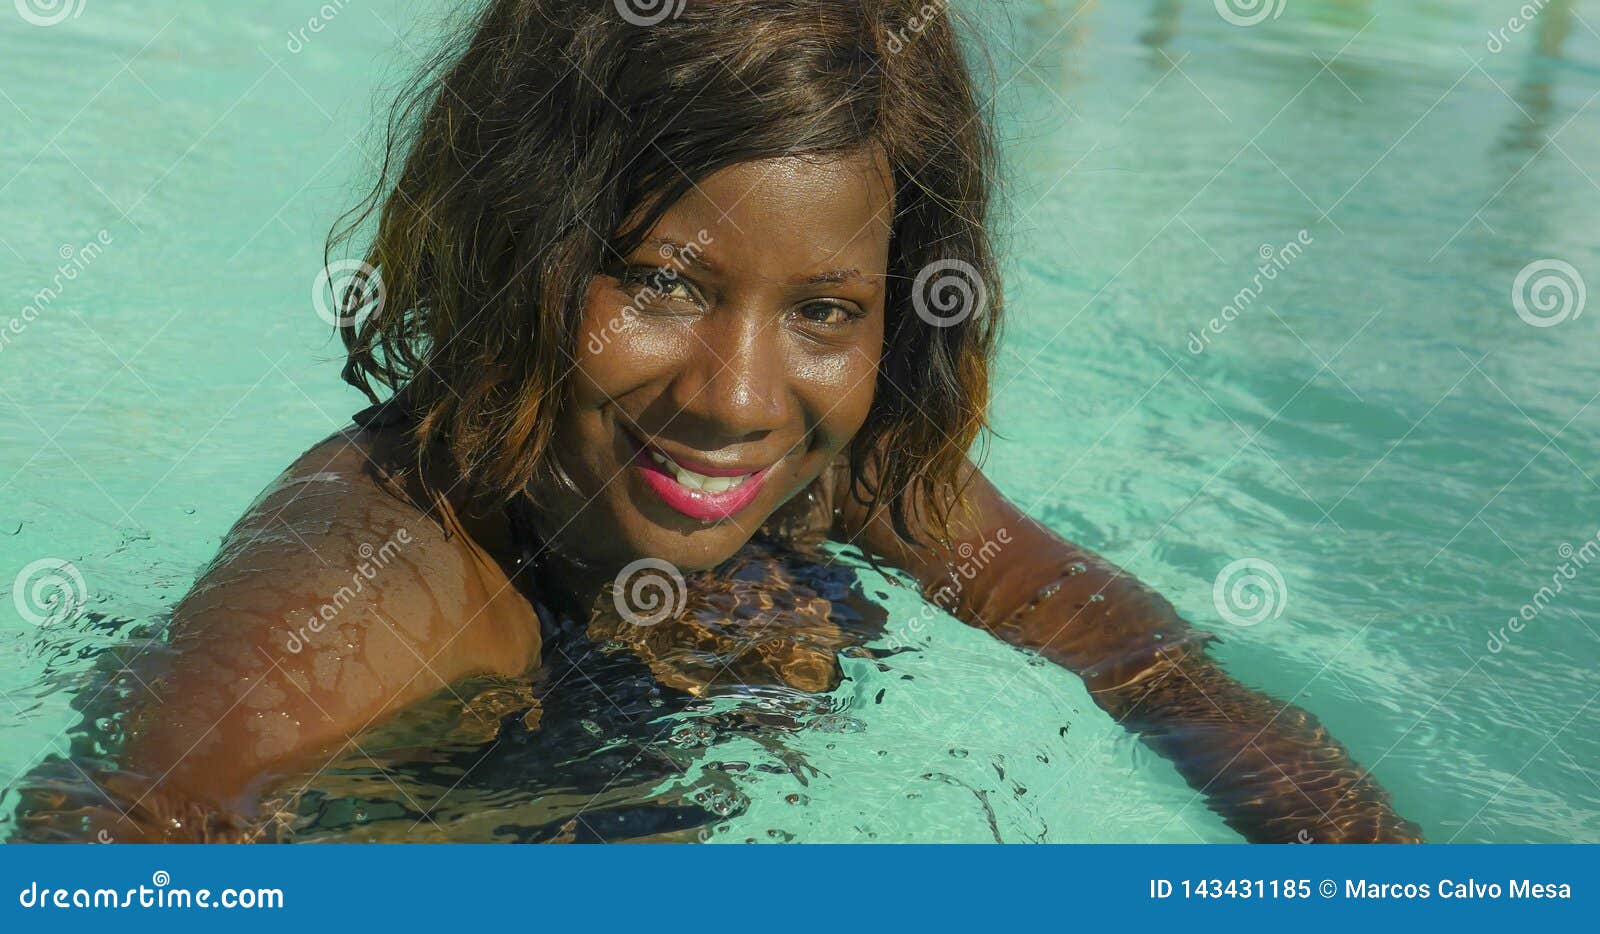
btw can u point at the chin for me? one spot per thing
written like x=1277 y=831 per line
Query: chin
x=698 y=552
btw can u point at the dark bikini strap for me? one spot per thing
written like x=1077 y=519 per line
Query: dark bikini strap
x=393 y=411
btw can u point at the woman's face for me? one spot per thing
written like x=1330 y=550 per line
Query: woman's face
x=727 y=362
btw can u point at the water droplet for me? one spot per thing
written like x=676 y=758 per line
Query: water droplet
x=1077 y=567
x=721 y=802
x=958 y=753
x=837 y=723
x=1096 y=597
x=797 y=798
x=690 y=735
x=1049 y=590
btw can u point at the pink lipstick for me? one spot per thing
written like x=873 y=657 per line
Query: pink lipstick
x=699 y=491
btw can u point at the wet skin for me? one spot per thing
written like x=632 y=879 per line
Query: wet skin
x=761 y=353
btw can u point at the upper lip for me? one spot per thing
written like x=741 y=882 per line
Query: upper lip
x=704 y=468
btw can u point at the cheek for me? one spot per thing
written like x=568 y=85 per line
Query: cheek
x=618 y=351
x=839 y=390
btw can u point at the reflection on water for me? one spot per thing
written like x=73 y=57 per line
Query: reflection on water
x=617 y=737
x=620 y=736
x=1534 y=95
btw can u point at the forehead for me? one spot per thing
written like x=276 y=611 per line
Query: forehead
x=790 y=216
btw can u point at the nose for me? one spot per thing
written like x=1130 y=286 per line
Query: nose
x=732 y=389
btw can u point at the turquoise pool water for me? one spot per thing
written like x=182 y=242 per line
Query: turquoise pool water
x=1379 y=424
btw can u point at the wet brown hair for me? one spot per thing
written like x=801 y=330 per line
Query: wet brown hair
x=515 y=156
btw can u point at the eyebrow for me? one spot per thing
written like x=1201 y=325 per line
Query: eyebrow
x=832 y=276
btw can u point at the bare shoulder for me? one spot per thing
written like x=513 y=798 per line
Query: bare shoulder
x=336 y=599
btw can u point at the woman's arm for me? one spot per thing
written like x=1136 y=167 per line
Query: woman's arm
x=334 y=603
x=1269 y=769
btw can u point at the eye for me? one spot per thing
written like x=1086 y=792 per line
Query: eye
x=828 y=314
x=650 y=284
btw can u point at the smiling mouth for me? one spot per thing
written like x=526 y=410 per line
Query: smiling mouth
x=706 y=494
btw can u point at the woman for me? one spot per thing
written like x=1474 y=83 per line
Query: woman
x=653 y=287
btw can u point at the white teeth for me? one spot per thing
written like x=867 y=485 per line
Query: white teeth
x=694 y=481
